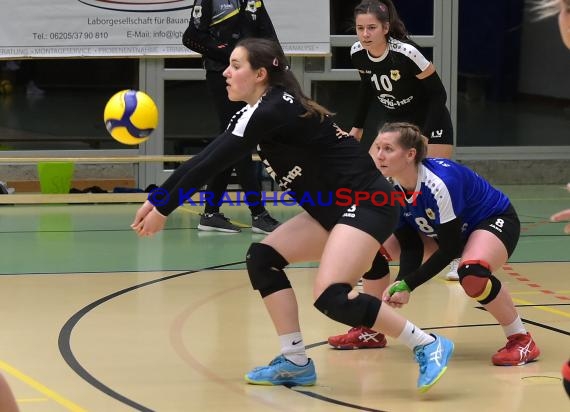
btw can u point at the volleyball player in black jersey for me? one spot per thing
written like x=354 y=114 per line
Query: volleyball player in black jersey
x=310 y=157
x=404 y=82
x=215 y=28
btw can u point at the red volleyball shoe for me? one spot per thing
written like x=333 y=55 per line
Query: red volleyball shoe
x=358 y=338
x=519 y=350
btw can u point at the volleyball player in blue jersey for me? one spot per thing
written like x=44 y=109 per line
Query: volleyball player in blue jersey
x=456 y=211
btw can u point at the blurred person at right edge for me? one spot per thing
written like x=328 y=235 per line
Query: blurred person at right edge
x=547 y=8
x=408 y=88
x=7 y=401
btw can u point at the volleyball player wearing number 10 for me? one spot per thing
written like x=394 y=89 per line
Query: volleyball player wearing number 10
x=408 y=88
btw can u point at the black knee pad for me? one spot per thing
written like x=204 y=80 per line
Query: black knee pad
x=265 y=268
x=360 y=311
x=478 y=282
x=379 y=268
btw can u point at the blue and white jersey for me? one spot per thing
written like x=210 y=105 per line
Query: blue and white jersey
x=447 y=190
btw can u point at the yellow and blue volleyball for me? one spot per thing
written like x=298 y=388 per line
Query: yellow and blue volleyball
x=130 y=116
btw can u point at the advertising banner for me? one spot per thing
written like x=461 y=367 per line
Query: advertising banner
x=132 y=28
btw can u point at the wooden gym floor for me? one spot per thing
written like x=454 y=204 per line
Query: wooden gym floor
x=95 y=319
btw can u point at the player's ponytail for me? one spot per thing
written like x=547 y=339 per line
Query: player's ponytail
x=269 y=55
x=410 y=138
x=385 y=12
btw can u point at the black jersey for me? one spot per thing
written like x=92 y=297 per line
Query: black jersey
x=217 y=25
x=304 y=155
x=404 y=98
x=392 y=79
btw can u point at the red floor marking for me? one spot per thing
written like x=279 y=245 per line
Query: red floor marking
x=532 y=285
x=509 y=269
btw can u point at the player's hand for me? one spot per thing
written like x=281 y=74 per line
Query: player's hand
x=399 y=299
x=356 y=133
x=563 y=215
x=560 y=217
x=397 y=294
x=153 y=222
x=142 y=212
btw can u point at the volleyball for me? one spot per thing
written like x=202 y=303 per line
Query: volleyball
x=130 y=116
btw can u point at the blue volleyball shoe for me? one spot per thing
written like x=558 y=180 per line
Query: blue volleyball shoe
x=433 y=359
x=283 y=372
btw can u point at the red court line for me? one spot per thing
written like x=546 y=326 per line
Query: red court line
x=509 y=269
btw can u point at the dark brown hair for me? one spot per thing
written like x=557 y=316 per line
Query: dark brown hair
x=269 y=55
x=386 y=13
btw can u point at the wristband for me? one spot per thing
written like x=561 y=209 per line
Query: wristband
x=401 y=286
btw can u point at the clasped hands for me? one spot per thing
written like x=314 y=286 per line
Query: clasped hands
x=397 y=294
x=148 y=220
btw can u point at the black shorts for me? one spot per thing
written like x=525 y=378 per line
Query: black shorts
x=506 y=226
x=377 y=216
x=441 y=133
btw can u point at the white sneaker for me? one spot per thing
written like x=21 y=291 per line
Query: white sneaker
x=452 y=274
